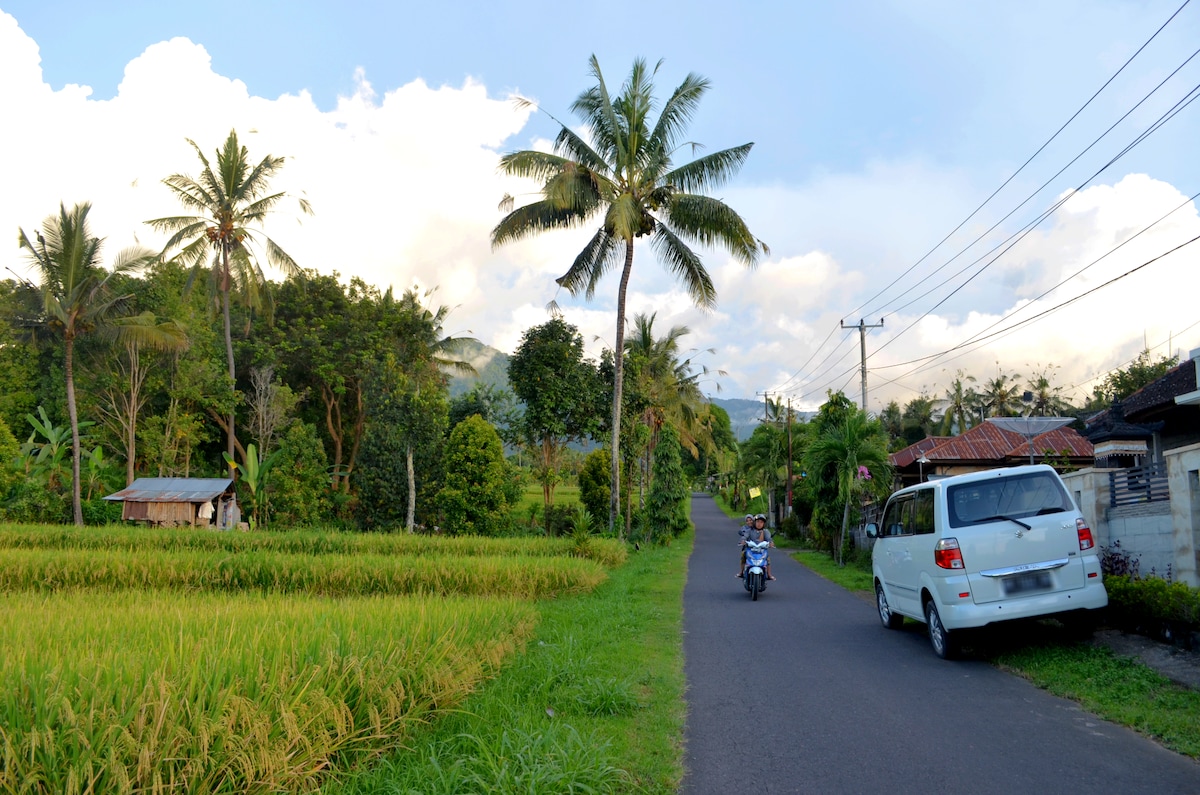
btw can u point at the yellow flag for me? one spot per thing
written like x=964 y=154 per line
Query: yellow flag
x=755 y=492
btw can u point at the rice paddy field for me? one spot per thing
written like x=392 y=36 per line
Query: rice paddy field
x=151 y=660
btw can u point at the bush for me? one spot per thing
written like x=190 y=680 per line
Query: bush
x=101 y=512
x=298 y=484
x=595 y=483
x=667 y=500
x=474 y=499
x=33 y=502
x=559 y=519
x=1153 y=606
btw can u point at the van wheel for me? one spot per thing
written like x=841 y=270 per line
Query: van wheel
x=890 y=620
x=944 y=644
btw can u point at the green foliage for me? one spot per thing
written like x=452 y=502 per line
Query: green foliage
x=31 y=501
x=298 y=484
x=1153 y=605
x=1123 y=382
x=561 y=391
x=10 y=451
x=594 y=482
x=559 y=519
x=667 y=500
x=474 y=499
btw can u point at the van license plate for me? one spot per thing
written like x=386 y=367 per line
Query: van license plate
x=1029 y=581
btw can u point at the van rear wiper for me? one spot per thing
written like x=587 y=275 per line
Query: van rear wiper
x=1006 y=518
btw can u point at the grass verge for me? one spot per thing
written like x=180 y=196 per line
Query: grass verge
x=595 y=704
x=1118 y=689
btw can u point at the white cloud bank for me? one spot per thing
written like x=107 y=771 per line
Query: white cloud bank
x=405 y=191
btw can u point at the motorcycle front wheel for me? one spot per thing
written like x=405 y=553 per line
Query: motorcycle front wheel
x=755 y=586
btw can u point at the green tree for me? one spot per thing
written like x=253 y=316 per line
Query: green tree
x=594 y=483
x=1124 y=381
x=960 y=403
x=1001 y=396
x=919 y=418
x=852 y=453
x=621 y=171
x=1047 y=399
x=298 y=484
x=667 y=500
x=474 y=498
x=230 y=201
x=561 y=393
x=77 y=301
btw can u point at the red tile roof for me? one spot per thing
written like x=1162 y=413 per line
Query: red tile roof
x=988 y=442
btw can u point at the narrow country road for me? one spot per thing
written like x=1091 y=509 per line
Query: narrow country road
x=805 y=692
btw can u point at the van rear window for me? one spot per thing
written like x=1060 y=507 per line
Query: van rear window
x=1015 y=497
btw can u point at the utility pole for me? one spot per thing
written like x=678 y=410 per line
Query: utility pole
x=862 y=344
x=766 y=396
x=788 y=510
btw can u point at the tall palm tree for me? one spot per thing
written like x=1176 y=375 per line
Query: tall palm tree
x=76 y=300
x=230 y=201
x=1047 y=398
x=1002 y=394
x=960 y=402
x=624 y=176
x=855 y=451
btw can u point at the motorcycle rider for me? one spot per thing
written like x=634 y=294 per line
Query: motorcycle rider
x=744 y=531
x=759 y=533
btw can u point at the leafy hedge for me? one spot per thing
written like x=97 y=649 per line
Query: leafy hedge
x=1153 y=605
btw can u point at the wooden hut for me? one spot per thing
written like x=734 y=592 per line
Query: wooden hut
x=179 y=501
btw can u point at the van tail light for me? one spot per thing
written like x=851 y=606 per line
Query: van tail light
x=1085 y=534
x=947 y=555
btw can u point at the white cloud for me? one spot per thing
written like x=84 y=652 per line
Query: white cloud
x=405 y=188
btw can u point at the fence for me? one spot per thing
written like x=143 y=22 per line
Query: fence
x=1138 y=485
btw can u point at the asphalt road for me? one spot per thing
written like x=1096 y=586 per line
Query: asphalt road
x=804 y=691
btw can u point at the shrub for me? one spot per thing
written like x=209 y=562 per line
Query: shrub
x=559 y=519
x=666 y=502
x=1153 y=606
x=474 y=499
x=595 y=486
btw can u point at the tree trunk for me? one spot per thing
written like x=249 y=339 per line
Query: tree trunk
x=335 y=432
x=614 y=503
x=409 y=519
x=76 y=502
x=225 y=285
x=842 y=538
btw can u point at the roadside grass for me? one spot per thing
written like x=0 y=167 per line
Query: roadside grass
x=1118 y=689
x=594 y=705
x=757 y=505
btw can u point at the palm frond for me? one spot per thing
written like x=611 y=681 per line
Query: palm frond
x=678 y=111
x=713 y=223
x=532 y=164
x=686 y=265
x=529 y=220
x=599 y=256
x=708 y=172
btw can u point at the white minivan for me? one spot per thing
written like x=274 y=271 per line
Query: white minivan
x=975 y=549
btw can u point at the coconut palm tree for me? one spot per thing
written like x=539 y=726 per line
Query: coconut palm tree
x=855 y=451
x=623 y=175
x=230 y=201
x=960 y=402
x=1047 y=399
x=77 y=299
x=1002 y=394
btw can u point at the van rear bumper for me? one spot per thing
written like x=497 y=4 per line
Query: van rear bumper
x=959 y=613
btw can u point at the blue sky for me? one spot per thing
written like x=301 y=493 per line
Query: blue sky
x=878 y=126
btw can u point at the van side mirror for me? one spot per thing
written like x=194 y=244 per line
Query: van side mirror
x=872 y=530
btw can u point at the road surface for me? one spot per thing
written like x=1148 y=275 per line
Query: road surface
x=804 y=691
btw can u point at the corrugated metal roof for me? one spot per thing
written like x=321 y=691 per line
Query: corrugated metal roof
x=987 y=442
x=909 y=455
x=172 y=490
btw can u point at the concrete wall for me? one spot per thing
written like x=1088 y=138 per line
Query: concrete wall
x=1164 y=536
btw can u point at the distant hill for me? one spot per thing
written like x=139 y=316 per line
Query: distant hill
x=744 y=414
x=491 y=364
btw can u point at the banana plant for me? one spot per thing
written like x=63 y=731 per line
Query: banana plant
x=253 y=476
x=49 y=457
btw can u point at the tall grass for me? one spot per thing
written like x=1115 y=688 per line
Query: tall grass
x=301 y=542
x=170 y=692
x=271 y=572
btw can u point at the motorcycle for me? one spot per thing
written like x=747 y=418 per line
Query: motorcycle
x=755 y=573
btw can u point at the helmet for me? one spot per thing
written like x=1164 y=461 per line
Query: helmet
x=762 y=516
x=749 y=516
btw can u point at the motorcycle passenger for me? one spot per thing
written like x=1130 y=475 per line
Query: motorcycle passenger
x=744 y=531
x=760 y=533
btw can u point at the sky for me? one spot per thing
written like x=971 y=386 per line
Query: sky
x=961 y=172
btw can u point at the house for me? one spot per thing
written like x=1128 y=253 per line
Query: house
x=1152 y=504
x=180 y=501
x=987 y=446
